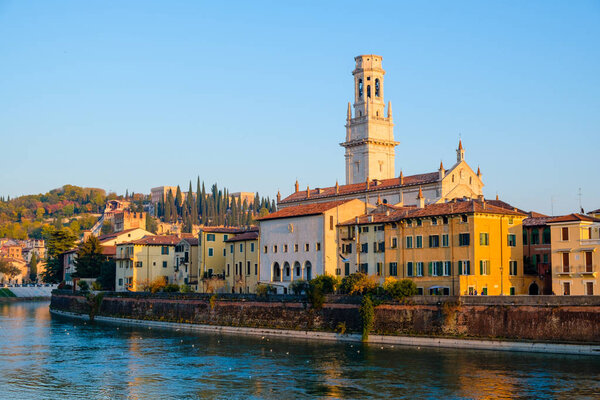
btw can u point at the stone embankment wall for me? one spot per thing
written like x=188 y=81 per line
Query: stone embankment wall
x=538 y=318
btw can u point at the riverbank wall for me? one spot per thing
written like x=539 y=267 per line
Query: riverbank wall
x=549 y=319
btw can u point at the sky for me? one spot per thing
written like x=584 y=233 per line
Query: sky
x=253 y=95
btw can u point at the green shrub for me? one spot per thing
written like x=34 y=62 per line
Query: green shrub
x=327 y=283
x=399 y=289
x=171 y=288
x=96 y=285
x=341 y=328
x=299 y=286
x=359 y=283
x=367 y=316
x=186 y=289
x=262 y=290
x=315 y=295
x=83 y=286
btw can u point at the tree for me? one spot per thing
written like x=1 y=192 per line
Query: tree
x=7 y=269
x=89 y=259
x=33 y=267
x=151 y=225
x=106 y=228
x=108 y=271
x=58 y=241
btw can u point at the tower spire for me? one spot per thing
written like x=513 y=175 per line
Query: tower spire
x=460 y=152
x=349 y=115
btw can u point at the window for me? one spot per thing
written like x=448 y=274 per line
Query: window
x=447 y=268
x=524 y=237
x=445 y=220
x=546 y=236
x=484 y=239
x=589 y=288
x=318 y=246
x=346 y=269
x=248 y=268
x=381 y=247
x=252 y=247
x=338 y=271
x=589 y=267
x=512 y=268
x=565 y=262
x=464 y=267
x=393 y=269
x=364 y=268
x=419 y=242
x=224 y=252
x=445 y=240
x=419 y=269
x=227 y=269
x=511 y=220
x=241 y=247
x=296 y=248
x=164 y=250
x=409 y=269
x=120 y=281
x=463 y=239
x=434 y=240
x=285 y=248
x=436 y=268
x=210 y=237
x=484 y=291
x=380 y=228
x=512 y=240
x=265 y=249
x=419 y=222
x=567 y=288
x=138 y=264
x=231 y=249
x=394 y=243
x=164 y=264
x=484 y=267
x=306 y=247
x=409 y=242
x=331 y=222
x=433 y=221
x=364 y=248
x=464 y=219
x=535 y=236
x=225 y=237
x=408 y=223
x=377 y=87
x=379 y=268
x=512 y=291
x=565 y=233
x=347 y=248
x=364 y=229
x=210 y=252
x=255 y=269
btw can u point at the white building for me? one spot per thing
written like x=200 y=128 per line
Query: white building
x=300 y=242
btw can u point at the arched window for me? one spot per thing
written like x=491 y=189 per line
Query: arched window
x=297 y=270
x=360 y=88
x=376 y=87
x=368 y=90
x=286 y=272
x=276 y=275
x=307 y=271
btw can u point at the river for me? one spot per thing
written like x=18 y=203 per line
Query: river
x=49 y=357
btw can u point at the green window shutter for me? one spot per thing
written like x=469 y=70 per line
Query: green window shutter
x=480 y=267
x=460 y=268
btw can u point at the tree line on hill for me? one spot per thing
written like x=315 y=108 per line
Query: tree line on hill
x=214 y=208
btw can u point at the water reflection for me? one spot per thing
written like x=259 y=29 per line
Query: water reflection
x=47 y=357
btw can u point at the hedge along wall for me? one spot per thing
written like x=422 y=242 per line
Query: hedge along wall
x=539 y=318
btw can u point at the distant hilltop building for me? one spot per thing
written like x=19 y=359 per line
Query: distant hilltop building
x=370 y=151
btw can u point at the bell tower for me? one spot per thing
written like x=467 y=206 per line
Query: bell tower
x=370 y=133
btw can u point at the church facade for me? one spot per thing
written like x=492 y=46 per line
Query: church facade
x=370 y=154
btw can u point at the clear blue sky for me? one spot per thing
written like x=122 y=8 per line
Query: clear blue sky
x=136 y=94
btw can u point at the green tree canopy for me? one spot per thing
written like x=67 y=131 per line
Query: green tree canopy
x=58 y=241
x=89 y=259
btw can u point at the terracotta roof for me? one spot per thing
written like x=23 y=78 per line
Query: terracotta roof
x=595 y=211
x=110 y=236
x=303 y=210
x=536 y=221
x=109 y=250
x=373 y=186
x=574 y=218
x=430 y=210
x=159 y=240
x=190 y=241
x=503 y=204
x=221 y=229
x=250 y=235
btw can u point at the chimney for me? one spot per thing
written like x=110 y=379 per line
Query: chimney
x=337 y=188
x=420 y=199
x=367 y=183
x=370 y=218
x=387 y=213
x=401 y=178
x=296 y=187
x=378 y=199
x=307 y=192
x=278 y=196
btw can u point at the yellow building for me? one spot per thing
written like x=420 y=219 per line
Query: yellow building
x=141 y=262
x=242 y=262
x=575 y=244
x=457 y=248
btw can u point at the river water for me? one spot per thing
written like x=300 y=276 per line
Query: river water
x=49 y=357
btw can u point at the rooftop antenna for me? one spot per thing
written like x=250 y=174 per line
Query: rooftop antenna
x=580 y=206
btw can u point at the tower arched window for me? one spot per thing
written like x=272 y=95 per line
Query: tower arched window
x=377 y=88
x=368 y=90
x=360 y=88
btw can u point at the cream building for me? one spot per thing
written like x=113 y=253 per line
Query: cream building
x=370 y=151
x=575 y=244
x=242 y=261
x=142 y=261
x=186 y=262
x=300 y=242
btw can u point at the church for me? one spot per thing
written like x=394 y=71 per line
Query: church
x=370 y=152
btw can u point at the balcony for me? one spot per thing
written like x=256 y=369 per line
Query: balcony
x=587 y=270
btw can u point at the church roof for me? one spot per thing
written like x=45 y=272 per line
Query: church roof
x=362 y=187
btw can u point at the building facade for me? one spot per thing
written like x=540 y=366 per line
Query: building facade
x=242 y=262
x=186 y=262
x=575 y=244
x=300 y=242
